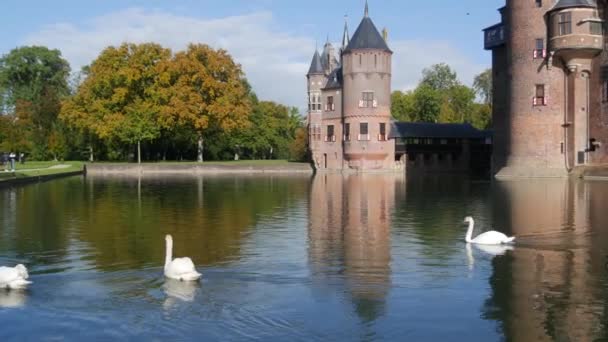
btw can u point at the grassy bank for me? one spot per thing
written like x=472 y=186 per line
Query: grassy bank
x=36 y=168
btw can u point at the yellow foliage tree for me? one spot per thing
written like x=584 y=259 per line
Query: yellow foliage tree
x=117 y=100
x=202 y=89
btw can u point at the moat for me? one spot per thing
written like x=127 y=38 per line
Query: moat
x=300 y=258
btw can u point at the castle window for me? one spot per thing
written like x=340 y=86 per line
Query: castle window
x=330 y=134
x=564 y=24
x=605 y=91
x=375 y=60
x=382 y=135
x=596 y=28
x=539 y=51
x=360 y=60
x=346 y=132
x=539 y=98
x=367 y=100
x=363 y=131
x=539 y=3
x=330 y=107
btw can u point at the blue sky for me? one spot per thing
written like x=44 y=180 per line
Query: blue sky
x=273 y=39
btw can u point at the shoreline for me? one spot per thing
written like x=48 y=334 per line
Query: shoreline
x=197 y=169
x=5 y=183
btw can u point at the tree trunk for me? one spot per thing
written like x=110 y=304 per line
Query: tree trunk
x=138 y=152
x=200 y=149
x=91 y=157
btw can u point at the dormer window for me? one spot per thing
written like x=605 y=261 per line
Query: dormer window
x=564 y=24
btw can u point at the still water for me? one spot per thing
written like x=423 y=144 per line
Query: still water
x=345 y=258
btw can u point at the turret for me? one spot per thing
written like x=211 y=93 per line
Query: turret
x=575 y=32
x=366 y=68
x=316 y=81
x=328 y=59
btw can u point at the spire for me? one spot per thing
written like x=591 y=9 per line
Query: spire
x=366 y=10
x=345 y=36
x=315 y=66
x=366 y=36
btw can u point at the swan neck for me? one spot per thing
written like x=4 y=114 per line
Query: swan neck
x=169 y=252
x=469 y=236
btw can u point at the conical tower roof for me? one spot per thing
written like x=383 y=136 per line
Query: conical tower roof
x=367 y=36
x=563 y=4
x=316 y=67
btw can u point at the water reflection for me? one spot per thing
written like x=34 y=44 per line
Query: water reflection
x=349 y=236
x=12 y=298
x=552 y=286
x=179 y=291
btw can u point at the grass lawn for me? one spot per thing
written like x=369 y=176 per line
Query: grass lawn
x=36 y=168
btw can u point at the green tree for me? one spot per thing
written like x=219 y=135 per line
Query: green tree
x=427 y=103
x=439 y=77
x=117 y=100
x=461 y=99
x=402 y=106
x=33 y=80
x=483 y=86
x=481 y=116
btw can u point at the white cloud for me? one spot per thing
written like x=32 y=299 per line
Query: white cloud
x=412 y=56
x=274 y=60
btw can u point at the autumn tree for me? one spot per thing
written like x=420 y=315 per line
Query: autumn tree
x=202 y=89
x=118 y=99
x=33 y=80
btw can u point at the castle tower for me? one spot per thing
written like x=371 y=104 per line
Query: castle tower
x=316 y=81
x=543 y=53
x=328 y=59
x=366 y=70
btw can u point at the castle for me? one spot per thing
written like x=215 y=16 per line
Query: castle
x=349 y=103
x=550 y=87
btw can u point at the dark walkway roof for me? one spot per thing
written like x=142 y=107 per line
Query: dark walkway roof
x=562 y=4
x=316 y=67
x=435 y=130
x=367 y=37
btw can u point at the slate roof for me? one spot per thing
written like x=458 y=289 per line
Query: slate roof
x=367 y=37
x=334 y=80
x=315 y=66
x=435 y=130
x=563 y=4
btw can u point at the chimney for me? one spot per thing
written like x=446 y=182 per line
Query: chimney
x=385 y=34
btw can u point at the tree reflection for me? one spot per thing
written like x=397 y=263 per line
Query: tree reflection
x=123 y=220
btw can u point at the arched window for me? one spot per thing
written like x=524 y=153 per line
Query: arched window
x=360 y=60
x=376 y=61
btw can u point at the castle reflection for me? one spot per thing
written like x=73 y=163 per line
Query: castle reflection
x=349 y=236
x=553 y=285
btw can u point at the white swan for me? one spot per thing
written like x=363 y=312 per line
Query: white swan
x=14 y=277
x=178 y=268
x=487 y=238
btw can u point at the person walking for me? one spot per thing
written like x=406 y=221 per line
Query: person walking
x=12 y=157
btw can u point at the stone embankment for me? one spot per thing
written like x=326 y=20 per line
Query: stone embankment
x=195 y=169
